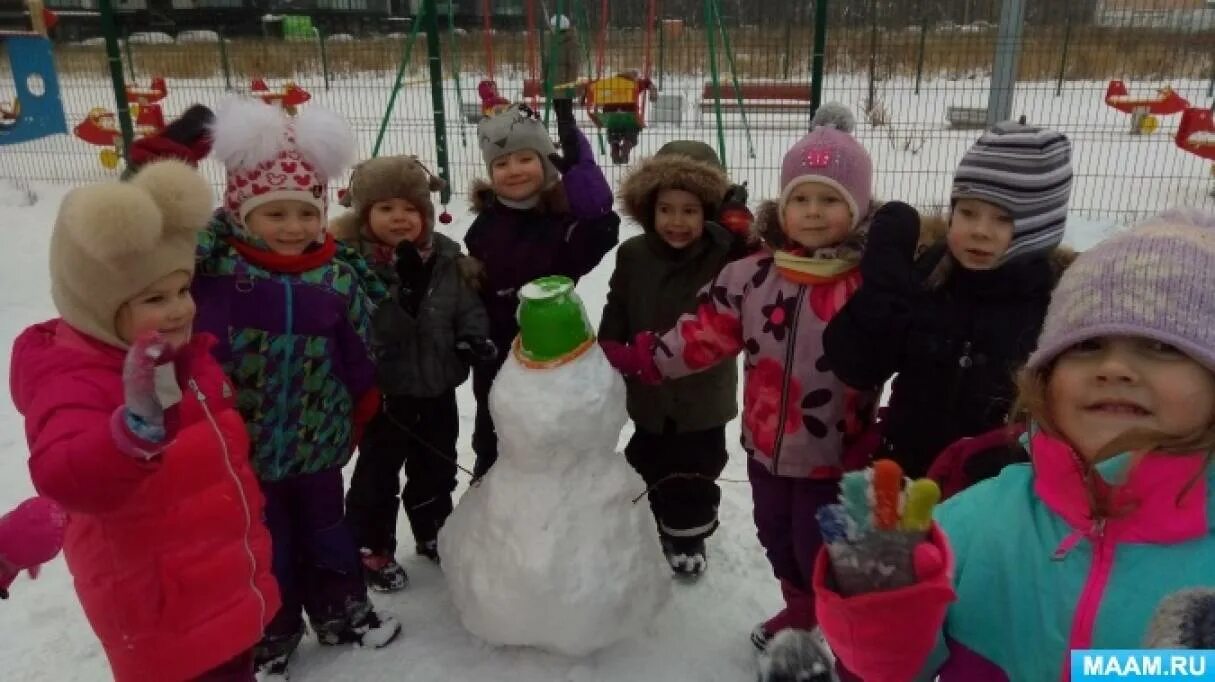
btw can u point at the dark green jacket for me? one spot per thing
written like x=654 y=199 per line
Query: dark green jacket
x=651 y=287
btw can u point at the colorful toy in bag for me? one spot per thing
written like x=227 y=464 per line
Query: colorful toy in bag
x=875 y=537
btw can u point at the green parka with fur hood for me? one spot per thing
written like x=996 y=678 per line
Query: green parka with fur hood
x=653 y=284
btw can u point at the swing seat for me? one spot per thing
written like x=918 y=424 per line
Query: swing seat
x=152 y=94
x=289 y=97
x=758 y=96
x=37 y=110
x=1196 y=134
x=614 y=91
x=1165 y=102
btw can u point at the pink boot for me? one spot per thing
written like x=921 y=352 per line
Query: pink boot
x=798 y=613
x=30 y=535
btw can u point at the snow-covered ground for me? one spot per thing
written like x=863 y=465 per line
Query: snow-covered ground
x=700 y=636
x=702 y=633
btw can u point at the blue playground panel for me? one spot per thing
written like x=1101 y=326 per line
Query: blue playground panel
x=39 y=107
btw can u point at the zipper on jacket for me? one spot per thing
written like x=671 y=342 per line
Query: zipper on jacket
x=244 y=500
x=790 y=348
x=1085 y=618
x=285 y=372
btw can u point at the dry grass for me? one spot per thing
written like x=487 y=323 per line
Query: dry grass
x=1093 y=53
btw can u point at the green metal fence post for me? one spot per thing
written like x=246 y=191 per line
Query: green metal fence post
x=662 y=51
x=818 y=58
x=710 y=30
x=554 y=45
x=396 y=86
x=110 y=30
x=453 y=52
x=738 y=96
x=320 y=39
x=919 y=60
x=1067 y=39
x=786 y=58
x=434 y=56
x=584 y=38
x=223 y=59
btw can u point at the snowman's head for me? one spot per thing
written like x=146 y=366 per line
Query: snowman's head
x=550 y=418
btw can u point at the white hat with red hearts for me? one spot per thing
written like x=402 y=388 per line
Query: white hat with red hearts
x=271 y=156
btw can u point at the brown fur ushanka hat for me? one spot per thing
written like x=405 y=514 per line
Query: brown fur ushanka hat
x=672 y=169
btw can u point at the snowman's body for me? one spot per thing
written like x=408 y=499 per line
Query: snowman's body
x=550 y=550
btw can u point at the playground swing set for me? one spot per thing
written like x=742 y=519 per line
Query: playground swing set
x=615 y=102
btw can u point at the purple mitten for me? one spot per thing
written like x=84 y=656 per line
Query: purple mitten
x=587 y=190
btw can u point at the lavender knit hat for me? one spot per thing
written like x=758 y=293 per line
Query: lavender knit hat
x=829 y=154
x=1155 y=280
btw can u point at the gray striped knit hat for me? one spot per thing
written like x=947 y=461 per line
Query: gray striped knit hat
x=1026 y=171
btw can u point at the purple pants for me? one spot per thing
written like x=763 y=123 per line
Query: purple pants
x=785 y=520
x=316 y=561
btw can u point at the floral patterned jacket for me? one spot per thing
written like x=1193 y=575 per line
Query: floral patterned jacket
x=798 y=418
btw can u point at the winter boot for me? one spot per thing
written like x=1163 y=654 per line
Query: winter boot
x=271 y=655
x=382 y=572
x=798 y=613
x=686 y=556
x=429 y=549
x=797 y=656
x=363 y=627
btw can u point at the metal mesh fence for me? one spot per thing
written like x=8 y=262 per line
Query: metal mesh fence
x=917 y=74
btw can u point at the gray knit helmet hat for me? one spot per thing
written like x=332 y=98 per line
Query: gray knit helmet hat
x=513 y=130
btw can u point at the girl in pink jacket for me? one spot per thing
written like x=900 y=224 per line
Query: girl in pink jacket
x=774 y=306
x=133 y=430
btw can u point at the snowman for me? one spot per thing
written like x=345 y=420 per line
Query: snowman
x=549 y=550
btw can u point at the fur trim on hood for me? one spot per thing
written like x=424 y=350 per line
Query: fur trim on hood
x=639 y=189
x=552 y=200
x=346 y=227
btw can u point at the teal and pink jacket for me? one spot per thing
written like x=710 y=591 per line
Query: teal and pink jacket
x=1031 y=576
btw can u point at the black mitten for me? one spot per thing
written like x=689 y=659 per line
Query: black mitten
x=411 y=273
x=888 y=263
x=476 y=350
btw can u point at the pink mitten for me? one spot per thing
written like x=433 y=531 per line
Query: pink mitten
x=634 y=360
x=30 y=536
x=149 y=387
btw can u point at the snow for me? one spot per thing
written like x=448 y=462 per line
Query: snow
x=702 y=631
x=553 y=522
x=15 y=194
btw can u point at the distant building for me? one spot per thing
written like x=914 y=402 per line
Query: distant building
x=1177 y=15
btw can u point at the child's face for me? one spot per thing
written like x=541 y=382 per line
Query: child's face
x=979 y=233
x=166 y=306
x=287 y=226
x=1105 y=388
x=393 y=221
x=517 y=176
x=679 y=217
x=816 y=216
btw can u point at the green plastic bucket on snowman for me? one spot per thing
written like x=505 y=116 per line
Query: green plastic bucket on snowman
x=552 y=320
